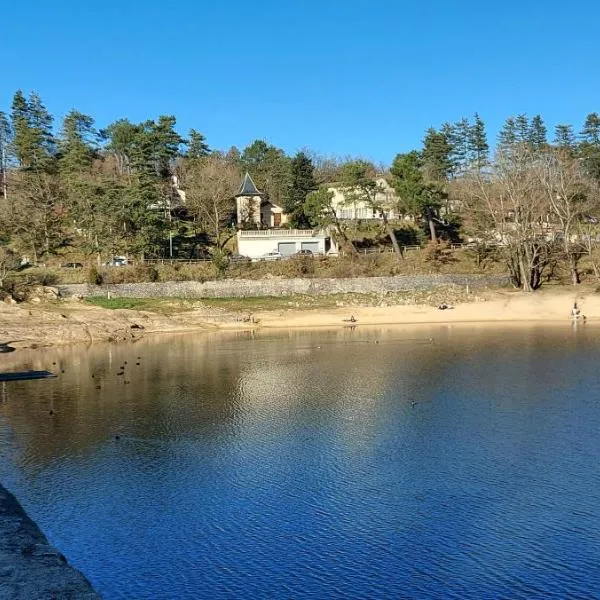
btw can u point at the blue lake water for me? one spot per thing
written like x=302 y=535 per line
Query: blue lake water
x=426 y=462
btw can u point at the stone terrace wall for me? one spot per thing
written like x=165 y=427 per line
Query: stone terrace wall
x=240 y=288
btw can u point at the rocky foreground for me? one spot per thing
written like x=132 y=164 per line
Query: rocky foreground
x=30 y=568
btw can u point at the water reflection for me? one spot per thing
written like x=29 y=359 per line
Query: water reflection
x=424 y=462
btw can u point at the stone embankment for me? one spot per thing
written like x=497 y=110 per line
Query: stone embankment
x=246 y=288
x=30 y=568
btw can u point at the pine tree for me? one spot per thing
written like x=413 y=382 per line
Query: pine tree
x=77 y=142
x=35 y=147
x=5 y=144
x=436 y=155
x=197 y=146
x=589 y=146
x=537 y=136
x=507 y=137
x=522 y=128
x=564 y=137
x=479 y=149
x=302 y=182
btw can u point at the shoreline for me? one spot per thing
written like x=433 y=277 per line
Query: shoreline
x=68 y=322
x=30 y=567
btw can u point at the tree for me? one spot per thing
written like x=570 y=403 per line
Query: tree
x=321 y=212
x=197 y=146
x=6 y=136
x=359 y=182
x=571 y=199
x=302 y=182
x=436 y=155
x=522 y=128
x=479 y=148
x=33 y=139
x=507 y=137
x=417 y=196
x=537 y=137
x=509 y=209
x=564 y=138
x=589 y=146
x=77 y=143
x=270 y=169
x=211 y=184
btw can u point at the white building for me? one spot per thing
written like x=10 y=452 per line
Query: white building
x=256 y=243
x=252 y=207
x=348 y=207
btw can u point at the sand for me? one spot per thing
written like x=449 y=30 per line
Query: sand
x=74 y=322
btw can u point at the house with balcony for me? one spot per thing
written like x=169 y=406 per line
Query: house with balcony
x=253 y=208
x=349 y=206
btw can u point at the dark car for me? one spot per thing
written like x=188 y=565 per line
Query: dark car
x=304 y=253
x=73 y=265
x=238 y=258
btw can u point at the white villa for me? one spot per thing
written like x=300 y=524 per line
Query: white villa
x=348 y=208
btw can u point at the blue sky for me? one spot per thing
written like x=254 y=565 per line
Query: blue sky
x=342 y=78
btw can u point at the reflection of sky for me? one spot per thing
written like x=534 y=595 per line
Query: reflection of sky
x=361 y=463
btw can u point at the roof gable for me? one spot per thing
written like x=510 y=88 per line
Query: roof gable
x=248 y=188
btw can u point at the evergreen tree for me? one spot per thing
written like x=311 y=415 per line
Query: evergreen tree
x=197 y=146
x=537 y=137
x=564 y=137
x=436 y=155
x=589 y=146
x=77 y=142
x=417 y=197
x=478 y=145
x=522 y=129
x=301 y=184
x=507 y=137
x=34 y=143
x=5 y=145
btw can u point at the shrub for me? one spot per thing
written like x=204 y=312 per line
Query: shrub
x=94 y=276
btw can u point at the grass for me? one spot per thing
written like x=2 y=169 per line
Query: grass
x=164 y=306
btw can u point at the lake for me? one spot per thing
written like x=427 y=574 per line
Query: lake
x=401 y=462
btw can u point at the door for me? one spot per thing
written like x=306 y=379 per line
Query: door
x=287 y=248
x=312 y=246
x=276 y=219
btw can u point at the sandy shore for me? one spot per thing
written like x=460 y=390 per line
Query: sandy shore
x=545 y=306
x=74 y=322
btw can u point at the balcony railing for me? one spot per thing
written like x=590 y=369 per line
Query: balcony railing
x=248 y=233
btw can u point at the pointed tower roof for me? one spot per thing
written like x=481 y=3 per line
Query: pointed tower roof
x=248 y=188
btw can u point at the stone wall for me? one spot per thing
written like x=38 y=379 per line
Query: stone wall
x=240 y=288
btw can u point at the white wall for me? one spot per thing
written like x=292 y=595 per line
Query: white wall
x=346 y=208
x=255 y=247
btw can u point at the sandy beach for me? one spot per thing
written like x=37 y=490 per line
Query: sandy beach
x=75 y=322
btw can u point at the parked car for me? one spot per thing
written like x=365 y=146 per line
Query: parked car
x=238 y=258
x=117 y=261
x=304 y=253
x=269 y=256
x=72 y=265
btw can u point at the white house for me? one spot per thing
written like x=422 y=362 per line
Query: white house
x=348 y=207
x=255 y=243
x=253 y=207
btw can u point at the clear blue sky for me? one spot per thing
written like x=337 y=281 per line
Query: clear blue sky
x=341 y=77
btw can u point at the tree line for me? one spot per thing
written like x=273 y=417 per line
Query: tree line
x=142 y=188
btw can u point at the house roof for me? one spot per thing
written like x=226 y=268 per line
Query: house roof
x=248 y=188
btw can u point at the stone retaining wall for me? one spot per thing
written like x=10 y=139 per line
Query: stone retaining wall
x=240 y=288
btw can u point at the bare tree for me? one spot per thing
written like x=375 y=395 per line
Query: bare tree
x=210 y=186
x=510 y=210
x=571 y=199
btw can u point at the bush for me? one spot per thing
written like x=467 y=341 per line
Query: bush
x=94 y=276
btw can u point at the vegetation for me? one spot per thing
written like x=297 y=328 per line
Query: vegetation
x=73 y=192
